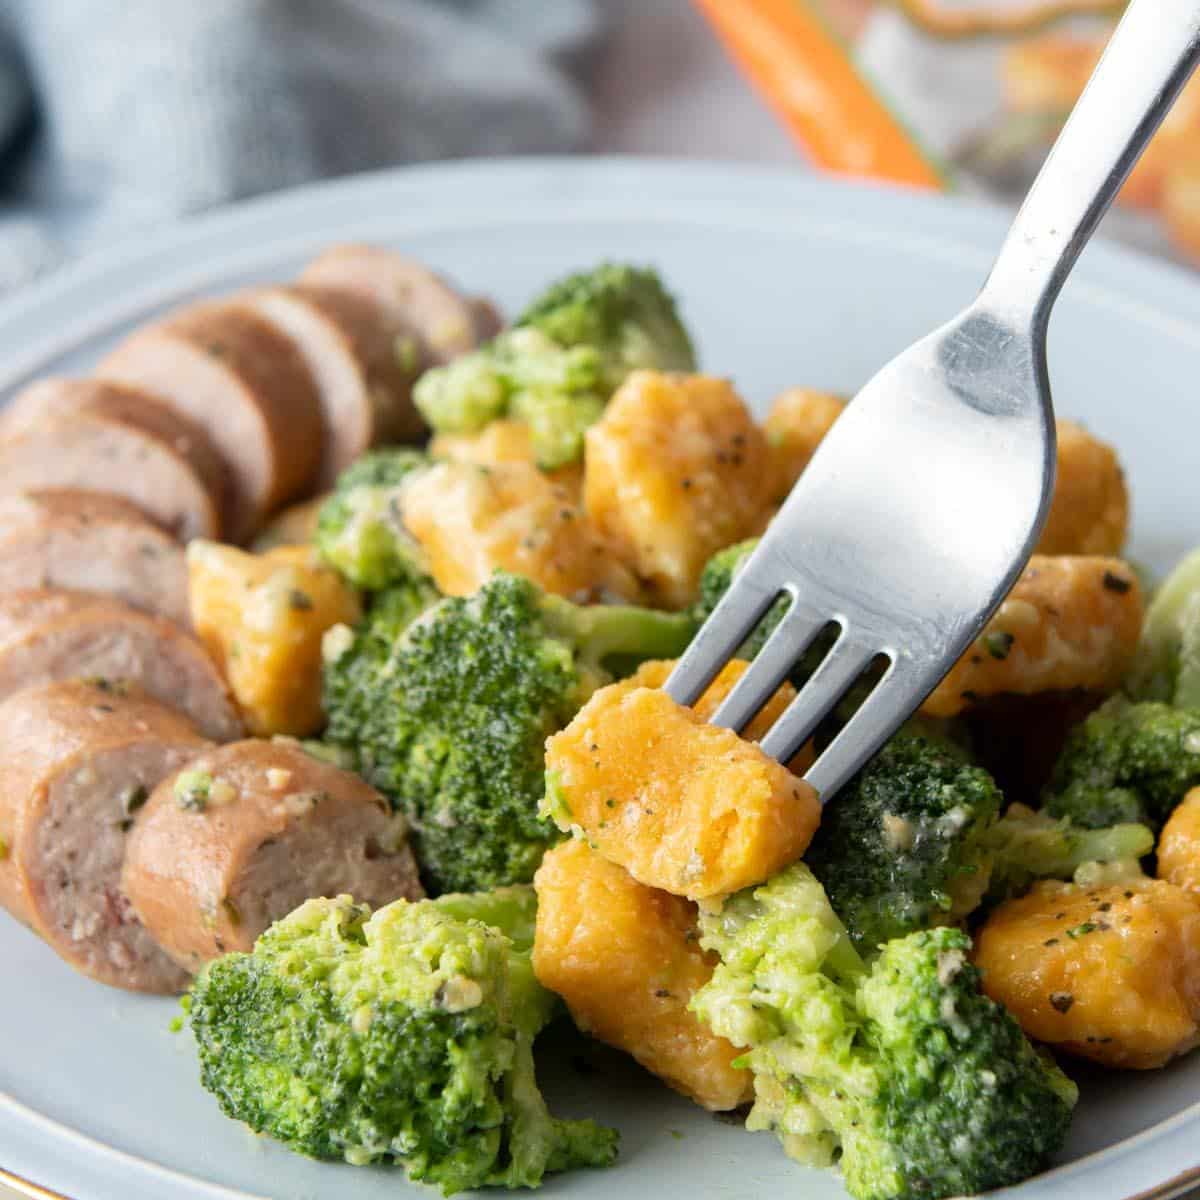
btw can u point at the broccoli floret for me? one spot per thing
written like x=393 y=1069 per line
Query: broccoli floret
x=449 y=719
x=404 y=1037
x=1167 y=668
x=360 y=530
x=623 y=312
x=562 y=360
x=1025 y=845
x=905 y=1071
x=1126 y=762
x=899 y=849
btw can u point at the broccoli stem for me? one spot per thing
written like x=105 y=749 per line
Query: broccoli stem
x=603 y=631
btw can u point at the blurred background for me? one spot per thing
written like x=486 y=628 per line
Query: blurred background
x=117 y=116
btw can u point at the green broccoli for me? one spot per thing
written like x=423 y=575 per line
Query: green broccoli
x=916 y=840
x=1168 y=660
x=562 y=360
x=1126 y=762
x=623 y=312
x=449 y=719
x=900 y=848
x=904 y=1072
x=360 y=530
x=400 y=1037
x=1025 y=845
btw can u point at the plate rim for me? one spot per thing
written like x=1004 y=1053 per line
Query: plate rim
x=1153 y=292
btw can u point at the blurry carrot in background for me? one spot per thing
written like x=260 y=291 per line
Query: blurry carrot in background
x=804 y=72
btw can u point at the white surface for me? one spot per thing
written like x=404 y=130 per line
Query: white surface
x=784 y=280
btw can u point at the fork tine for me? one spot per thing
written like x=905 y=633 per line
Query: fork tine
x=830 y=681
x=788 y=641
x=891 y=702
x=731 y=622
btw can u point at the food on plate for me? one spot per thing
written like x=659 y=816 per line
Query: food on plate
x=242 y=380
x=798 y=420
x=470 y=521
x=472 y=636
x=1167 y=667
x=448 y=714
x=1067 y=623
x=397 y=516
x=242 y=834
x=410 y=300
x=1179 y=844
x=362 y=369
x=295 y=525
x=675 y=471
x=1089 y=513
x=76 y=635
x=916 y=839
x=94 y=436
x=80 y=758
x=262 y=617
x=1109 y=972
x=682 y=805
x=902 y=1071
x=1126 y=762
x=402 y=1036
x=564 y=357
x=92 y=542
x=627 y=960
x=360 y=527
x=503 y=441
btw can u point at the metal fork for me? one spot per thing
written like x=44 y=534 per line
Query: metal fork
x=924 y=502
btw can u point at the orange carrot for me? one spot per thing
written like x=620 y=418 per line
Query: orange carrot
x=805 y=74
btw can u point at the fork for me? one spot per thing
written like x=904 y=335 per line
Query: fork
x=924 y=502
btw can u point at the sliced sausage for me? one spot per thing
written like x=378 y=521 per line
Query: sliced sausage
x=31 y=606
x=360 y=365
x=67 y=433
x=106 y=639
x=91 y=542
x=408 y=295
x=244 y=834
x=241 y=379
x=79 y=761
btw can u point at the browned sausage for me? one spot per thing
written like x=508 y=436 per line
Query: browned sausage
x=79 y=761
x=91 y=542
x=244 y=834
x=408 y=295
x=239 y=378
x=68 y=433
x=30 y=606
x=103 y=638
x=361 y=367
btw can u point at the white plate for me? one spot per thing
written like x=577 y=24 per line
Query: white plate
x=785 y=279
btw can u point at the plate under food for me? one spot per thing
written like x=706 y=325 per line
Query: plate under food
x=786 y=279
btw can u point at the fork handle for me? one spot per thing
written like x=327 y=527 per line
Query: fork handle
x=1151 y=54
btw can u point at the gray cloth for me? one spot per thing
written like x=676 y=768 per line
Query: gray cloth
x=119 y=114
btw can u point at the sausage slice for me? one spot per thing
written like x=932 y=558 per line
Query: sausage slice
x=105 y=639
x=248 y=831
x=91 y=542
x=407 y=295
x=242 y=380
x=67 y=433
x=31 y=606
x=362 y=368
x=79 y=760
